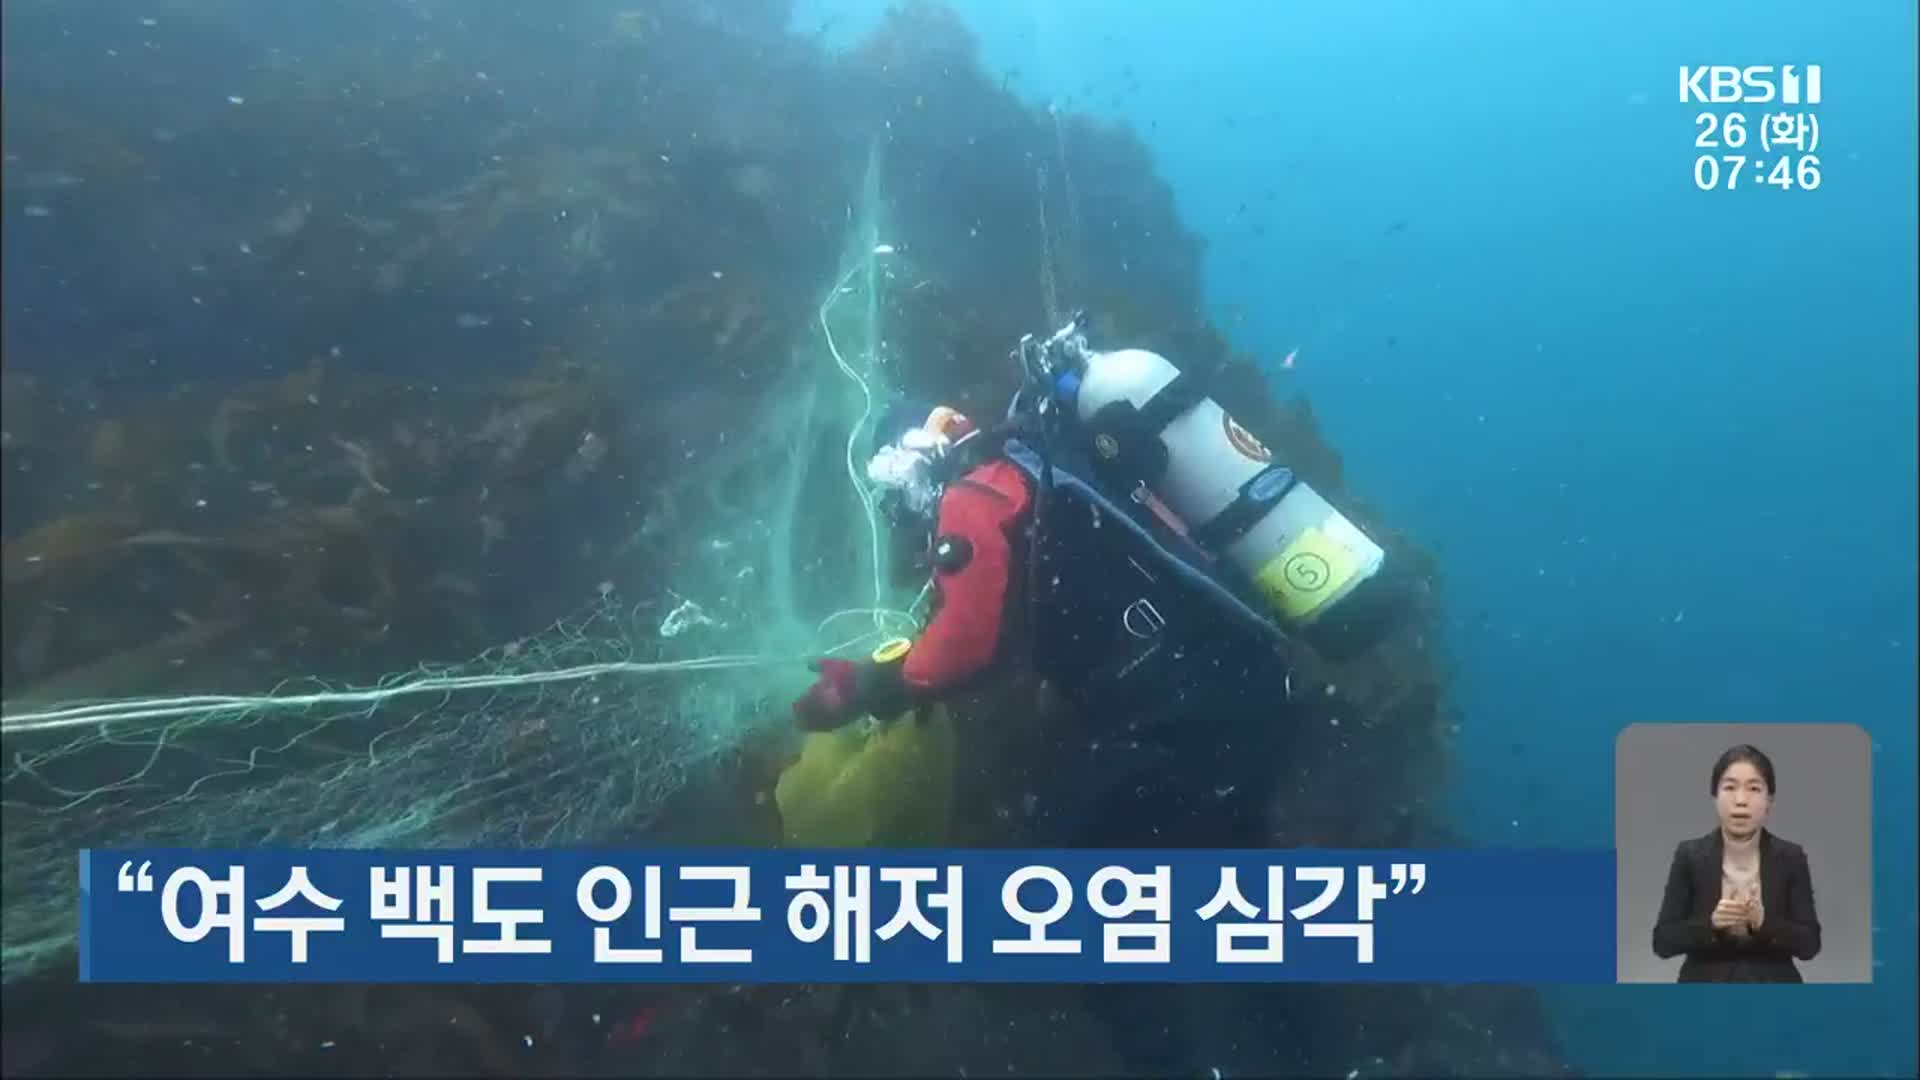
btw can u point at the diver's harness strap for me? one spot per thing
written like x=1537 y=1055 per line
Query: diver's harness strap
x=1133 y=452
x=1171 y=402
x=1255 y=498
x=1199 y=580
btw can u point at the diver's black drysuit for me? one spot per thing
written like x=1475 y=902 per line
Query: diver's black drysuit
x=1178 y=685
x=1180 y=693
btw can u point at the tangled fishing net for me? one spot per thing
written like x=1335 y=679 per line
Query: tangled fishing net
x=578 y=734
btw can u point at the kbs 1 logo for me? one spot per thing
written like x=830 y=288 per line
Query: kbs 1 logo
x=1717 y=84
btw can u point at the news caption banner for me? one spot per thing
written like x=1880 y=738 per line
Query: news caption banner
x=838 y=916
x=1760 y=129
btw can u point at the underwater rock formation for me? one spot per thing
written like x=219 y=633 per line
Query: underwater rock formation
x=310 y=512
x=531 y=297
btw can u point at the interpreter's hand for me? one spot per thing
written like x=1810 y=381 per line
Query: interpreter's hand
x=1730 y=914
x=1756 y=912
x=831 y=701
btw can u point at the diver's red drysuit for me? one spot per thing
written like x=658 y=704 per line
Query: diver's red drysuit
x=981 y=516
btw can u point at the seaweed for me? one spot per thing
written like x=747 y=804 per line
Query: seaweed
x=478 y=324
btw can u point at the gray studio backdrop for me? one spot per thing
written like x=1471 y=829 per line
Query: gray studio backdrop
x=1824 y=803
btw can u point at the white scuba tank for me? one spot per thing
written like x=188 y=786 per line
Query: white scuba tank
x=1302 y=554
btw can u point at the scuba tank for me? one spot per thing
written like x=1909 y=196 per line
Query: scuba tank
x=1154 y=433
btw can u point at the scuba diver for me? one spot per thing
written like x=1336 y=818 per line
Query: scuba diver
x=1121 y=536
x=1143 y=555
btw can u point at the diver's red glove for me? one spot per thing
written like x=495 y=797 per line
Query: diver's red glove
x=833 y=699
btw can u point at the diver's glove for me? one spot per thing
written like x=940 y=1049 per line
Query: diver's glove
x=833 y=699
x=847 y=688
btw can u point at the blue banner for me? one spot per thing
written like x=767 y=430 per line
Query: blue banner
x=839 y=916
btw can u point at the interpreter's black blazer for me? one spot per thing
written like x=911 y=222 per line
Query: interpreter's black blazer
x=1685 y=926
